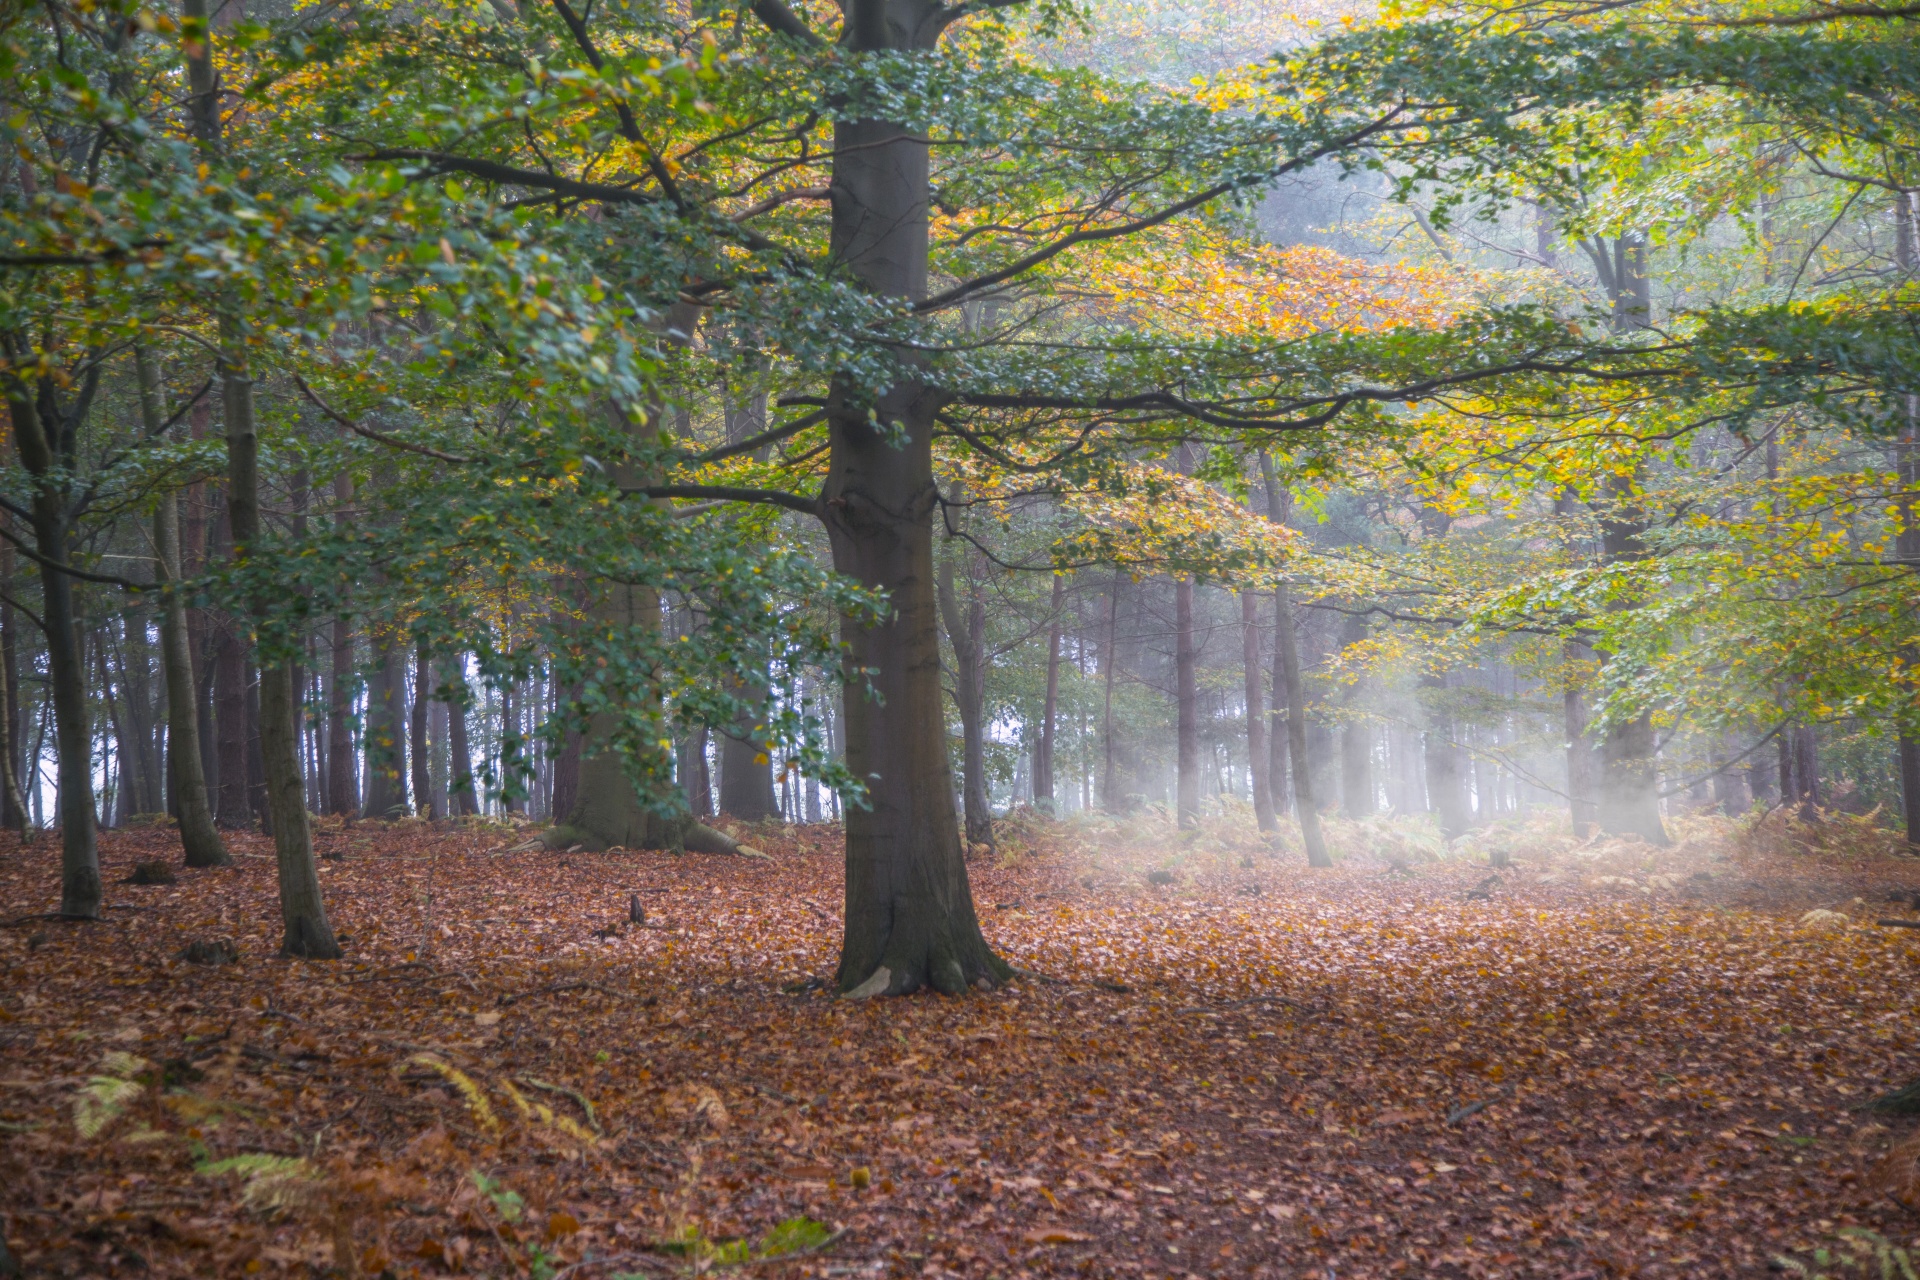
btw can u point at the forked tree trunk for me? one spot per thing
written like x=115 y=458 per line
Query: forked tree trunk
x=1259 y=758
x=199 y=839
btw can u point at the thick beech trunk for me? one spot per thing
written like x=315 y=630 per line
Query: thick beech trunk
x=1050 y=707
x=199 y=839
x=746 y=770
x=967 y=633
x=1259 y=758
x=910 y=918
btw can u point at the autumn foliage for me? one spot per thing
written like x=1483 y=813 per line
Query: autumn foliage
x=1605 y=1060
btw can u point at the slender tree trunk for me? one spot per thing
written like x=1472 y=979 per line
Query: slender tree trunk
x=1356 y=735
x=417 y=733
x=1259 y=757
x=199 y=838
x=230 y=720
x=1907 y=541
x=1050 y=707
x=13 y=810
x=1110 y=798
x=1186 y=698
x=1446 y=779
x=966 y=632
x=53 y=536
x=308 y=934
x=1285 y=645
x=462 y=800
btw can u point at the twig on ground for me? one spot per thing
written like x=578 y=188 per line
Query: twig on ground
x=1898 y=924
x=1458 y=1114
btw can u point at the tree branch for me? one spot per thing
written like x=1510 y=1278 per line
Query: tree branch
x=376 y=436
x=780 y=20
x=730 y=493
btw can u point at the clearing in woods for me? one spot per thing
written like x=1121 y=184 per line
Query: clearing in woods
x=1609 y=1062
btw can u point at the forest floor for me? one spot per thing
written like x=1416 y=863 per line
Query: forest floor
x=1613 y=1061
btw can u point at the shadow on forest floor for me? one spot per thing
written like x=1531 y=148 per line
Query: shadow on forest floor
x=1611 y=1061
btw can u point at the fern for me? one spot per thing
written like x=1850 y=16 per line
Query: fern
x=476 y=1097
x=105 y=1098
x=273 y=1184
x=1865 y=1253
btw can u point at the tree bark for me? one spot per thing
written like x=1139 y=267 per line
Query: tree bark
x=307 y=933
x=48 y=466
x=230 y=725
x=199 y=839
x=1356 y=735
x=967 y=633
x=1050 y=706
x=1259 y=757
x=386 y=731
x=14 y=813
x=462 y=801
x=1287 y=648
x=746 y=770
x=1186 y=704
x=417 y=733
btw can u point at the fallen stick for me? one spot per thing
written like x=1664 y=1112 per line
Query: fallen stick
x=1458 y=1114
x=1898 y=924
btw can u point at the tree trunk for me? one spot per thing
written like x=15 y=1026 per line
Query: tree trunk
x=417 y=733
x=746 y=770
x=1580 y=804
x=308 y=934
x=461 y=798
x=1259 y=757
x=1110 y=799
x=1287 y=648
x=386 y=730
x=1186 y=703
x=199 y=838
x=230 y=724
x=66 y=672
x=910 y=917
x=1050 y=707
x=967 y=633
x=13 y=806
x=695 y=776
x=1446 y=779
x=1629 y=801
x=1356 y=735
